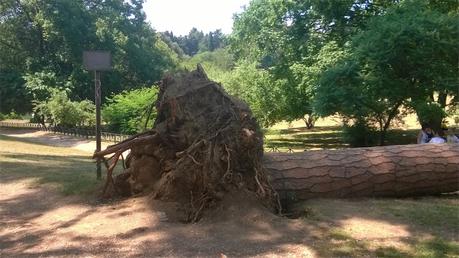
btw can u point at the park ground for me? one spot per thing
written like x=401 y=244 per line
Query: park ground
x=49 y=206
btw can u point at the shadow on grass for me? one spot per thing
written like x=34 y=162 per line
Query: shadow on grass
x=421 y=227
x=301 y=139
x=71 y=174
x=325 y=137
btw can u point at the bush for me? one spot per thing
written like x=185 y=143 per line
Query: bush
x=127 y=112
x=360 y=134
x=59 y=110
x=10 y=115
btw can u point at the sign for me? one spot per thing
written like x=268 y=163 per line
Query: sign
x=97 y=60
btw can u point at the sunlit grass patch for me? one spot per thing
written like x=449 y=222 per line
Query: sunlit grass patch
x=67 y=170
x=420 y=227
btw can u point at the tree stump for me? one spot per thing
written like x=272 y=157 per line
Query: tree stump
x=205 y=146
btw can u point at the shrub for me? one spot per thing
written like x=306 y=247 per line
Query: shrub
x=360 y=134
x=59 y=110
x=127 y=112
x=11 y=115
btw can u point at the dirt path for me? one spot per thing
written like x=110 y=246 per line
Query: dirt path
x=52 y=139
x=37 y=221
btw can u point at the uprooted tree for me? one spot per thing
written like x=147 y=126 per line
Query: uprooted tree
x=206 y=147
x=390 y=171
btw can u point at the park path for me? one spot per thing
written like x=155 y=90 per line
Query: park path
x=52 y=139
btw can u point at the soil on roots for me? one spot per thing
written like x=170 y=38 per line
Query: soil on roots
x=205 y=149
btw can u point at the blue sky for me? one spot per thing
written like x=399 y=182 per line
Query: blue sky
x=179 y=16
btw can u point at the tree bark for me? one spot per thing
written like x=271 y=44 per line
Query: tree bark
x=390 y=171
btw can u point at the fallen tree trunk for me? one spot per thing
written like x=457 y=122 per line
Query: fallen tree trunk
x=391 y=171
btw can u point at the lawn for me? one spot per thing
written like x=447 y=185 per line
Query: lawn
x=328 y=132
x=70 y=171
x=410 y=227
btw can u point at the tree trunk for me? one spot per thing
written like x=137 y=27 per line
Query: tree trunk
x=397 y=171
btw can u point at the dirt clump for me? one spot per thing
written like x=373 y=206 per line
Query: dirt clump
x=205 y=147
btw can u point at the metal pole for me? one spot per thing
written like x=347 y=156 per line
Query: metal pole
x=98 y=140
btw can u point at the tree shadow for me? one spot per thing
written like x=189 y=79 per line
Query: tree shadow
x=326 y=137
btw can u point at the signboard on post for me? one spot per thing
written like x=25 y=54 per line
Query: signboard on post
x=97 y=61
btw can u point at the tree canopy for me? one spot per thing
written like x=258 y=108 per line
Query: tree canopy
x=41 y=45
x=369 y=61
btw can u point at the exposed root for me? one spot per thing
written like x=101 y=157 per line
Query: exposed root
x=204 y=145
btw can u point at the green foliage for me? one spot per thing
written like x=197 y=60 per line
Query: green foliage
x=41 y=85
x=127 y=112
x=359 y=134
x=258 y=88
x=195 y=42
x=13 y=94
x=430 y=113
x=59 y=110
x=11 y=115
x=43 y=41
x=217 y=64
x=401 y=59
x=295 y=41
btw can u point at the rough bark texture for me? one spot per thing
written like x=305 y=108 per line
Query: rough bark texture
x=205 y=146
x=397 y=171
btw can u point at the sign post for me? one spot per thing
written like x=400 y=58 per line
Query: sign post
x=97 y=61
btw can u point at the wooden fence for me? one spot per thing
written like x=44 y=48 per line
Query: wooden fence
x=82 y=132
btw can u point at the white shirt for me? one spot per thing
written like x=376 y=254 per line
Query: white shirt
x=437 y=139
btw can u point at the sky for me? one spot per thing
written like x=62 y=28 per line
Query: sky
x=179 y=16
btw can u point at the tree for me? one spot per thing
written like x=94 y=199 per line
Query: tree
x=195 y=42
x=259 y=89
x=48 y=37
x=285 y=38
x=402 y=59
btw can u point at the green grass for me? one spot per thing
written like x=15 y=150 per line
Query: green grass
x=70 y=171
x=429 y=226
x=324 y=137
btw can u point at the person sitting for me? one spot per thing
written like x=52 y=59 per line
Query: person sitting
x=425 y=134
x=439 y=137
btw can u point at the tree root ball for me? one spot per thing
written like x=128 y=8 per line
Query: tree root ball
x=205 y=146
